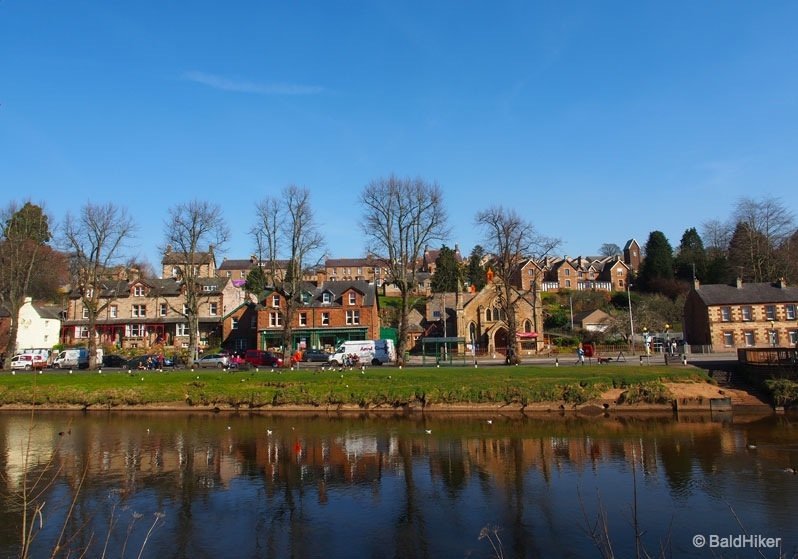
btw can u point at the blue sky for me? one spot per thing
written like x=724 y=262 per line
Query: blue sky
x=597 y=121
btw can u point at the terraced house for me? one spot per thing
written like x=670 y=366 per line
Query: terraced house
x=726 y=317
x=330 y=313
x=143 y=312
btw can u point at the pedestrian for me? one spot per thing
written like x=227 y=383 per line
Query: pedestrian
x=580 y=355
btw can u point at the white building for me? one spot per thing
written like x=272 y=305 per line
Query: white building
x=39 y=326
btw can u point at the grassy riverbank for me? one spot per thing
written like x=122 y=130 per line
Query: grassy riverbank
x=379 y=387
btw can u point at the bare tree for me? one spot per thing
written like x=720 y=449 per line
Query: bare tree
x=512 y=241
x=401 y=217
x=610 y=249
x=189 y=228
x=25 y=232
x=96 y=240
x=288 y=242
x=762 y=226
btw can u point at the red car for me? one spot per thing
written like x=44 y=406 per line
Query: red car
x=260 y=358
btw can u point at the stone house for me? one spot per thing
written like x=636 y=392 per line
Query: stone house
x=329 y=313
x=146 y=312
x=726 y=317
x=172 y=262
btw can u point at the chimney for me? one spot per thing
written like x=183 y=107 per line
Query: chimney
x=739 y=283
x=782 y=283
x=696 y=284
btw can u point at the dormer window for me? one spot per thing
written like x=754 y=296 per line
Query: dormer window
x=305 y=297
x=326 y=297
x=276 y=301
x=138 y=291
x=353 y=299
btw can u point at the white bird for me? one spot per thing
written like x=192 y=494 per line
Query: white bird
x=269 y=432
x=752 y=446
x=228 y=427
x=428 y=431
x=490 y=422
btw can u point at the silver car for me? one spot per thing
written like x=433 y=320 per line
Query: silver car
x=217 y=360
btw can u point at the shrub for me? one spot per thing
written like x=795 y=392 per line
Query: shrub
x=783 y=392
x=653 y=392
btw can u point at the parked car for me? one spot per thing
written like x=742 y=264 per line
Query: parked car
x=260 y=358
x=315 y=355
x=216 y=360
x=28 y=362
x=114 y=361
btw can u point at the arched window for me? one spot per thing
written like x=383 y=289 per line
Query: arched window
x=488 y=315
x=527 y=326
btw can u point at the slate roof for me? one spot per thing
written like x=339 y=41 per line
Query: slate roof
x=747 y=293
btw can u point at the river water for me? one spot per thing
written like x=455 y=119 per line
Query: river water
x=216 y=485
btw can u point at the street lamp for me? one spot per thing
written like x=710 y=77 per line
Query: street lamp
x=667 y=345
x=631 y=320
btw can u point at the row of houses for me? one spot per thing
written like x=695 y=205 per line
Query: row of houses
x=340 y=302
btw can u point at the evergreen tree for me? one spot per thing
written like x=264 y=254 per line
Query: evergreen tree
x=475 y=273
x=257 y=282
x=448 y=276
x=691 y=260
x=657 y=269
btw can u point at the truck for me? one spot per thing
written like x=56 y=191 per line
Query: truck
x=375 y=352
x=72 y=359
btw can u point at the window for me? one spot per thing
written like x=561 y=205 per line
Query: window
x=276 y=301
x=181 y=329
x=85 y=312
x=138 y=291
x=325 y=319
x=567 y=272
x=488 y=315
x=81 y=331
x=303 y=319
x=353 y=317
x=138 y=311
x=326 y=297
x=275 y=320
x=90 y=293
x=750 y=340
x=352 y=298
x=793 y=335
x=360 y=271
x=579 y=274
x=725 y=314
x=728 y=339
x=234 y=324
x=567 y=283
x=137 y=331
x=789 y=312
x=619 y=271
x=163 y=309
x=305 y=297
x=770 y=312
x=207 y=288
x=113 y=311
x=213 y=309
x=747 y=314
x=185 y=308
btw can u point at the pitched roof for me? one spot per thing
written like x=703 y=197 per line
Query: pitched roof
x=746 y=293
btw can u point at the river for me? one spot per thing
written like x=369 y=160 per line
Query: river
x=173 y=485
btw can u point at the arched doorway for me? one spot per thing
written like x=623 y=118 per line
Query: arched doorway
x=500 y=341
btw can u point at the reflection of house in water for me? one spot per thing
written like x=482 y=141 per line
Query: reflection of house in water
x=26 y=442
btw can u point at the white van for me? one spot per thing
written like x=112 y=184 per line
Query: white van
x=72 y=359
x=375 y=352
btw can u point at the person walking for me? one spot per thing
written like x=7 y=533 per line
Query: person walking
x=580 y=354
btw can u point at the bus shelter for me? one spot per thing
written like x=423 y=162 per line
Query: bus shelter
x=443 y=350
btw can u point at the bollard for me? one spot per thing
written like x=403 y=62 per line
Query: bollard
x=556 y=361
x=641 y=359
x=684 y=360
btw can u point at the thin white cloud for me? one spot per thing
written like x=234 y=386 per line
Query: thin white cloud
x=242 y=86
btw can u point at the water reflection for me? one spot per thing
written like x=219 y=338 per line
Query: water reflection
x=403 y=486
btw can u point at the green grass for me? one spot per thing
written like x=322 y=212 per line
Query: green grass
x=377 y=387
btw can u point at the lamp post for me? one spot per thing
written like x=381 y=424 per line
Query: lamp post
x=667 y=345
x=631 y=319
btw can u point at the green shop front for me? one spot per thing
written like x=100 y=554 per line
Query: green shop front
x=317 y=338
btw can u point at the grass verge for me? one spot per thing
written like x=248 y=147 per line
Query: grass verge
x=373 y=388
